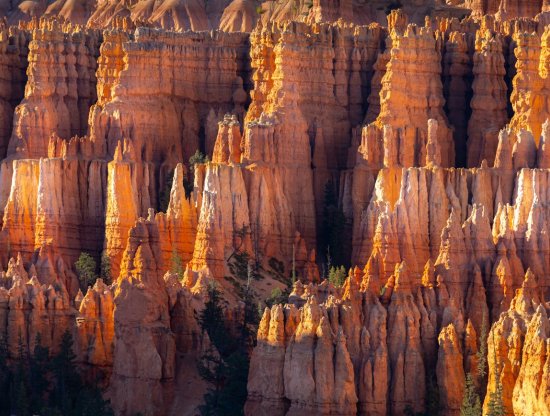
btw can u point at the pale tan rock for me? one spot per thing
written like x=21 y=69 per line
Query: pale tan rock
x=239 y=16
x=404 y=347
x=223 y=219
x=543 y=158
x=265 y=383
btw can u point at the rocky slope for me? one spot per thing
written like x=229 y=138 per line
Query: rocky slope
x=242 y=15
x=431 y=134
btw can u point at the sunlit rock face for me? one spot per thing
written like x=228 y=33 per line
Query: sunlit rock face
x=172 y=140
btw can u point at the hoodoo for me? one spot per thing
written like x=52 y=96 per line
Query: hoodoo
x=275 y=207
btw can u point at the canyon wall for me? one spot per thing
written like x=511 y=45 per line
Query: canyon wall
x=432 y=133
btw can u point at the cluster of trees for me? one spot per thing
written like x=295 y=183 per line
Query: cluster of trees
x=332 y=242
x=475 y=380
x=88 y=271
x=225 y=366
x=38 y=384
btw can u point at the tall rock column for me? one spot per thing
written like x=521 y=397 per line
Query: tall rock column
x=489 y=102
x=122 y=208
x=457 y=71
x=144 y=345
x=407 y=103
x=531 y=83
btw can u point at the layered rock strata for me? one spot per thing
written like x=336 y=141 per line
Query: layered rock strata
x=60 y=88
x=402 y=124
x=162 y=104
x=489 y=101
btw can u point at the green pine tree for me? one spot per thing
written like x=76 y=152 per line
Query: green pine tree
x=19 y=393
x=471 y=403
x=277 y=296
x=105 y=268
x=337 y=276
x=68 y=383
x=86 y=270
x=90 y=403
x=38 y=370
x=482 y=353
x=197 y=158
x=225 y=367
x=5 y=375
x=331 y=236
x=211 y=320
x=496 y=405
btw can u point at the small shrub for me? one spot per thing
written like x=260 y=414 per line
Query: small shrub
x=337 y=276
x=197 y=158
x=176 y=264
x=277 y=296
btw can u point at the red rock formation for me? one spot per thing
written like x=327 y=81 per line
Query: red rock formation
x=12 y=73
x=95 y=326
x=442 y=249
x=178 y=227
x=289 y=360
x=144 y=345
x=505 y=9
x=450 y=374
x=56 y=98
x=54 y=202
x=173 y=119
x=405 y=108
x=509 y=350
x=489 y=100
x=122 y=206
x=324 y=112
x=110 y=62
x=529 y=97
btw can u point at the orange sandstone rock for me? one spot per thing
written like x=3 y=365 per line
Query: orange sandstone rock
x=143 y=369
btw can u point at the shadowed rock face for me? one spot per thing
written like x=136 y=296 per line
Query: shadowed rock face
x=99 y=117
